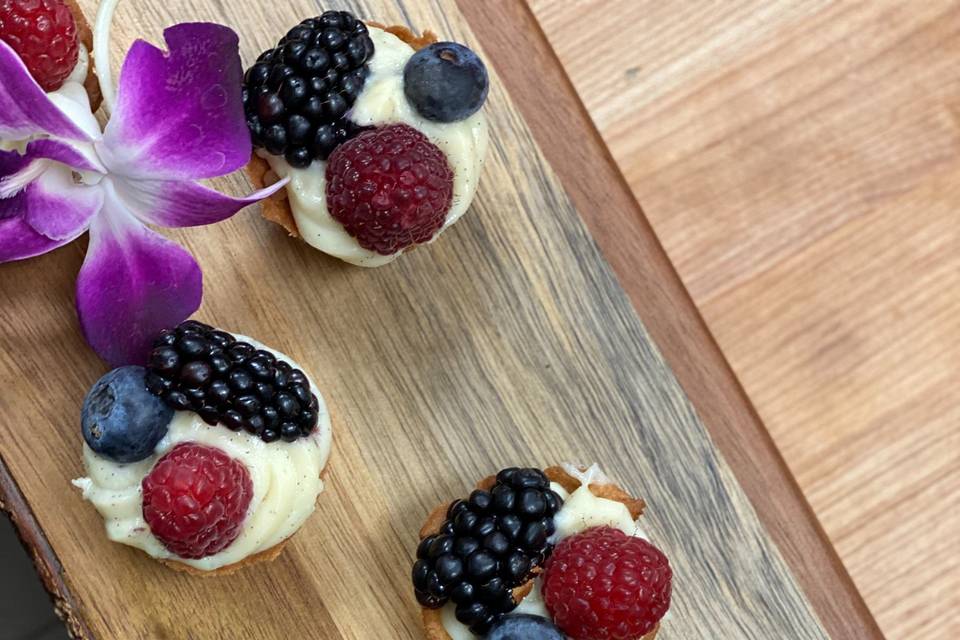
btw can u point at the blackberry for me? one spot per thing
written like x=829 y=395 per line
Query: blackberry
x=296 y=95
x=195 y=367
x=489 y=543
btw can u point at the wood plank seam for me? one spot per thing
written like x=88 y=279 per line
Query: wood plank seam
x=723 y=430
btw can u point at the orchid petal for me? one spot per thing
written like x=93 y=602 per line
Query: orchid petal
x=58 y=207
x=18 y=240
x=179 y=115
x=80 y=156
x=25 y=110
x=133 y=283
x=47 y=213
x=182 y=203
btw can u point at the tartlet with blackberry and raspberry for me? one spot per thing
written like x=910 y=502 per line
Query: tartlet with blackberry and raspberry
x=209 y=458
x=54 y=41
x=380 y=132
x=541 y=555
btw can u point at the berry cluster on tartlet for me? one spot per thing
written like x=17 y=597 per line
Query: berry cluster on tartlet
x=380 y=132
x=53 y=39
x=541 y=555
x=209 y=458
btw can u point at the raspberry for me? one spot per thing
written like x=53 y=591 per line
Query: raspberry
x=389 y=187
x=195 y=499
x=602 y=584
x=44 y=35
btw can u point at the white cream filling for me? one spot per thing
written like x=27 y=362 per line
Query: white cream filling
x=72 y=98
x=285 y=476
x=382 y=101
x=581 y=510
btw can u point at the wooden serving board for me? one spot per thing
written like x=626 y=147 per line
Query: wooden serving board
x=507 y=342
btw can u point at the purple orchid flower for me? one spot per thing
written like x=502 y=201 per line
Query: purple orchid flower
x=178 y=118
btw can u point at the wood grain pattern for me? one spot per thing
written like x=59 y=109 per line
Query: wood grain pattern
x=799 y=161
x=562 y=126
x=507 y=341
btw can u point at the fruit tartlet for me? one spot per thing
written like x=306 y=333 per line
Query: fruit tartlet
x=209 y=458
x=541 y=555
x=380 y=132
x=54 y=41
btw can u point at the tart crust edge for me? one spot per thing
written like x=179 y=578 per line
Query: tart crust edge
x=85 y=36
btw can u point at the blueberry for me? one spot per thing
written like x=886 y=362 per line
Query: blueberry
x=445 y=82
x=120 y=419
x=523 y=626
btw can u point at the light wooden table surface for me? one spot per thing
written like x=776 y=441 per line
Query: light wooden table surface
x=800 y=163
